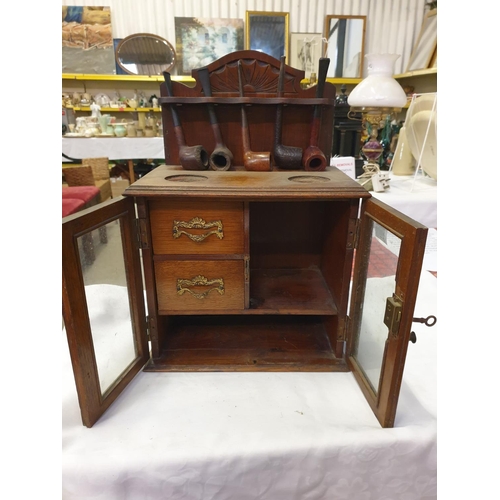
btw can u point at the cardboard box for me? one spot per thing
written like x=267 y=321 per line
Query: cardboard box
x=118 y=186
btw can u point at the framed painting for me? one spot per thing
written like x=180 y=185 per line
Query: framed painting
x=267 y=32
x=305 y=51
x=201 y=41
x=87 y=40
x=426 y=44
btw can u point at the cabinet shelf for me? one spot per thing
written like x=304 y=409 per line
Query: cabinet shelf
x=243 y=343
x=290 y=291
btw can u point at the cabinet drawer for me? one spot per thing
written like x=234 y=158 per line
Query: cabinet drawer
x=194 y=227
x=194 y=285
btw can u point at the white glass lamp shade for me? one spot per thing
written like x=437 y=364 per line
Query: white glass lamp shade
x=379 y=89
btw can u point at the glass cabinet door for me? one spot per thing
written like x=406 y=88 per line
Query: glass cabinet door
x=103 y=303
x=387 y=270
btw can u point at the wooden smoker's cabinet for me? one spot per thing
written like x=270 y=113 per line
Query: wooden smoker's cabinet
x=245 y=271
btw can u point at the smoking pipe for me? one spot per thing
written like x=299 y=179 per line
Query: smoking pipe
x=313 y=158
x=256 y=161
x=190 y=157
x=221 y=156
x=289 y=157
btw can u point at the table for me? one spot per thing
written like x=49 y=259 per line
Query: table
x=415 y=197
x=282 y=436
x=114 y=148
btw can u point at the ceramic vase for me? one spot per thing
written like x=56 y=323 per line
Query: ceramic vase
x=104 y=124
x=402 y=162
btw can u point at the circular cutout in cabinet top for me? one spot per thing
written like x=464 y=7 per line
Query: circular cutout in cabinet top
x=308 y=178
x=186 y=178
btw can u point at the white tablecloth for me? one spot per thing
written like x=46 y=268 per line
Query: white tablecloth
x=417 y=199
x=114 y=148
x=276 y=436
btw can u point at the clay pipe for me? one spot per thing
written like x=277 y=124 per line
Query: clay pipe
x=313 y=158
x=289 y=157
x=190 y=157
x=255 y=161
x=221 y=157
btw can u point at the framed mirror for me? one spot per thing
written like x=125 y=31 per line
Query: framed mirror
x=426 y=45
x=145 y=54
x=346 y=45
x=267 y=32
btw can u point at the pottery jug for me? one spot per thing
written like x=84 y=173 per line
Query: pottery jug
x=120 y=129
x=131 y=130
x=142 y=120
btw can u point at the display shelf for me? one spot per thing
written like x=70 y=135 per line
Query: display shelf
x=116 y=110
x=122 y=78
x=420 y=72
x=159 y=78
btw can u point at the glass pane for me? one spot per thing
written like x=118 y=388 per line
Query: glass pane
x=103 y=268
x=380 y=284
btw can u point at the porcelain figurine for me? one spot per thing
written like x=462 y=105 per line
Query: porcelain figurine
x=81 y=125
x=96 y=110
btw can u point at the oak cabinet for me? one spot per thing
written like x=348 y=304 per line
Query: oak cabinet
x=241 y=271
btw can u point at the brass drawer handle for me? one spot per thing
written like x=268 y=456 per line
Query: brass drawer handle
x=199 y=280
x=198 y=223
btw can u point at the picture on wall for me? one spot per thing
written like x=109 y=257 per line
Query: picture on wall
x=305 y=51
x=201 y=41
x=87 y=40
x=268 y=32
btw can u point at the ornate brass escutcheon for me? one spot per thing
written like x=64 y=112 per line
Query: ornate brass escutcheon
x=183 y=284
x=198 y=223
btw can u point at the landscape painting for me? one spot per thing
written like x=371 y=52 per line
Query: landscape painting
x=201 y=41
x=87 y=40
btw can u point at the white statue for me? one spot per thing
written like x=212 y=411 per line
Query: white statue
x=96 y=110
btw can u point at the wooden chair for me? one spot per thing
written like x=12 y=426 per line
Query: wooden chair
x=76 y=198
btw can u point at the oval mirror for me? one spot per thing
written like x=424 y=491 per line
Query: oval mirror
x=145 y=54
x=346 y=45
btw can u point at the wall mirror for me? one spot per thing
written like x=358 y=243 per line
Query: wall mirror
x=267 y=32
x=346 y=45
x=145 y=54
x=425 y=47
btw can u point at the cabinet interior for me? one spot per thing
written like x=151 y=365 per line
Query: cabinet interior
x=298 y=260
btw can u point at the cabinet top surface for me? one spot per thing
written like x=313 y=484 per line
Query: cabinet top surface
x=173 y=180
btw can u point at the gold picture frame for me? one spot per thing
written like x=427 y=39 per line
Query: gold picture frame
x=268 y=32
x=426 y=44
x=346 y=45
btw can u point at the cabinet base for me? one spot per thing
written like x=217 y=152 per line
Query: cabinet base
x=217 y=343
